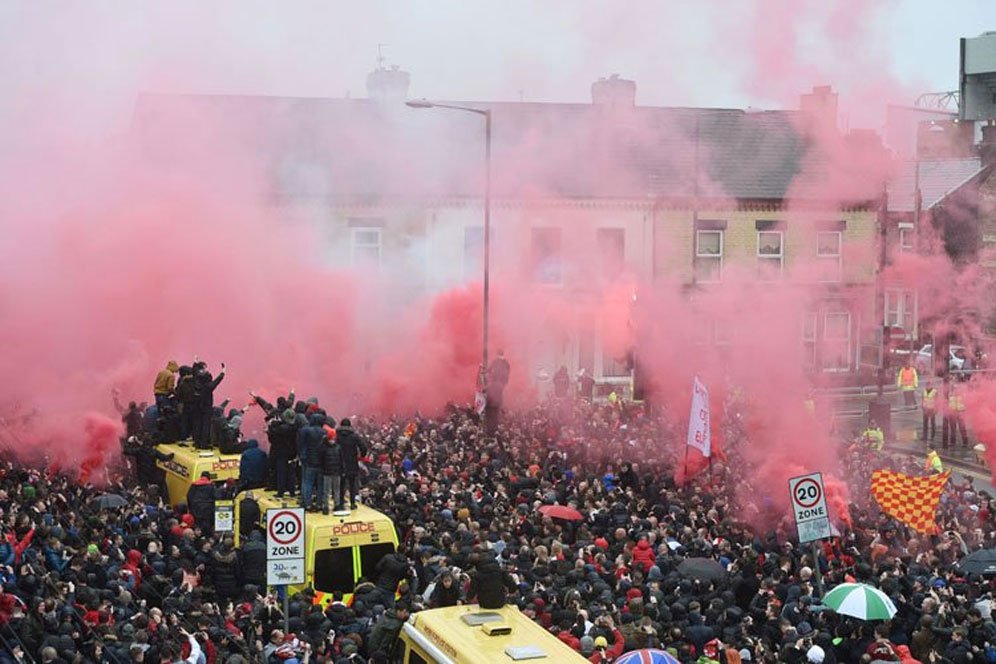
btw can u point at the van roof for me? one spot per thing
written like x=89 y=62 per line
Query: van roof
x=268 y=500
x=458 y=632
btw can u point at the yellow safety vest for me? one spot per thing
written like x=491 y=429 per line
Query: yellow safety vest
x=875 y=438
x=929 y=396
x=908 y=379
x=934 y=463
x=955 y=403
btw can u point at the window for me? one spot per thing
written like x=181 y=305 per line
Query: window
x=836 y=348
x=708 y=256
x=614 y=367
x=365 y=245
x=828 y=255
x=547 y=266
x=770 y=255
x=809 y=339
x=900 y=310
x=906 y=239
x=414 y=657
x=473 y=252
x=334 y=570
x=370 y=555
x=611 y=251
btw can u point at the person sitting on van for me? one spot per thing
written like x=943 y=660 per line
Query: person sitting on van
x=351 y=447
x=252 y=466
x=384 y=636
x=200 y=502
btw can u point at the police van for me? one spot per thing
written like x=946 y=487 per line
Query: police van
x=339 y=550
x=469 y=634
x=188 y=463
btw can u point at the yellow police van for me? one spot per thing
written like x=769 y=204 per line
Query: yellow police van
x=469 y=635
x=338 y=549
x=188 y=463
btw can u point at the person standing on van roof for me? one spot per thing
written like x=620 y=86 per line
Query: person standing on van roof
x=204 y=387
x=331 y=468
x=165 y=383
x=351 y=447
x=283 y=450
x=311 y=450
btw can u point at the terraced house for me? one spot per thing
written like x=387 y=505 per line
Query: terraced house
x=585 y=196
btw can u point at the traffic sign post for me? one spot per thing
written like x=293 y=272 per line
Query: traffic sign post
x=224 y=516
x=285 y=550
x=812 y=518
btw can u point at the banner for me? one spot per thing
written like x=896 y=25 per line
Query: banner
x=698 y=421
x=912 y=500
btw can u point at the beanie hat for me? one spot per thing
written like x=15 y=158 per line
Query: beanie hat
x=601 y=642
x=587 y=645
x=815 y=655
x=602 y=543
x=92 y=549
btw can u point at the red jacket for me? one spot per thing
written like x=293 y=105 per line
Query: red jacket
x=643 y=555
x=570 y=640
x=612 y=651
x=19 y=547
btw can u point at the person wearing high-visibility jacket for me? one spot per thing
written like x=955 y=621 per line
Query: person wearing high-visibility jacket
x=933 y=463
x=928 y=404
x=874 y=437
x=907 y=381
x=954 y=416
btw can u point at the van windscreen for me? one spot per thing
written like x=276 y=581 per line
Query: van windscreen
x=334 y=570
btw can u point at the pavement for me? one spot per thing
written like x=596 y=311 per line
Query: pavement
x=906 y=429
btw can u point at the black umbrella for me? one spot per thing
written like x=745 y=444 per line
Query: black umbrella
x=701 y=568
x=108 y=501
x=980 y=563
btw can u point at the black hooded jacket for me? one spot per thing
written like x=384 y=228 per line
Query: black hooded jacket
x=351 y=448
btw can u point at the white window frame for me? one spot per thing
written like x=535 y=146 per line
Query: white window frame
x=709 y=256
x=766 y=259
x=827 y=340
x=897 y=298
x=809 y=335
x=537 y=276
x=354 y=233
x=907 y=239
x=826 y=258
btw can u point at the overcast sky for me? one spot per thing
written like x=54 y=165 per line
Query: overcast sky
x=94 y=55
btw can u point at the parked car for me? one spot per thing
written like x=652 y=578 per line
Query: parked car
x=957 y=358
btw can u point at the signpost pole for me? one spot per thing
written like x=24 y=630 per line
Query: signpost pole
x=287 y=609
x=816 y=569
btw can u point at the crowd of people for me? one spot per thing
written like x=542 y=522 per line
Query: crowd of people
x=86 y=578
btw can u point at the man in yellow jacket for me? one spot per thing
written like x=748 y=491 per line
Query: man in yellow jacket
x=874 y=437
x=933 y=463
x=166 y=382
x=928 y=404
x=907 y=381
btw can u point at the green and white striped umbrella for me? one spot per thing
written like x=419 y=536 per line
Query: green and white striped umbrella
x=860 y=601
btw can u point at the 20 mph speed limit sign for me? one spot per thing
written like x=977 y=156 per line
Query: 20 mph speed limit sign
x=285 y=546
x=809 y=506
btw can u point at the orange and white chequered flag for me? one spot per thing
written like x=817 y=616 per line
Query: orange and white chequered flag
x=912 y=500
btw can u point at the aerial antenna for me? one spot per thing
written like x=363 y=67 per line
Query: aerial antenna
x=380 y=56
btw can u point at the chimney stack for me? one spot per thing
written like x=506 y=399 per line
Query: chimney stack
x=987 y=148
x=614 y=92
x=821 y=104
x=389 y=86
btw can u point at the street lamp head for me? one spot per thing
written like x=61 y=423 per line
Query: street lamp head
x=419 y=103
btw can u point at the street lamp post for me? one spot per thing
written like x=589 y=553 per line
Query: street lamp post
x=486 y=113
